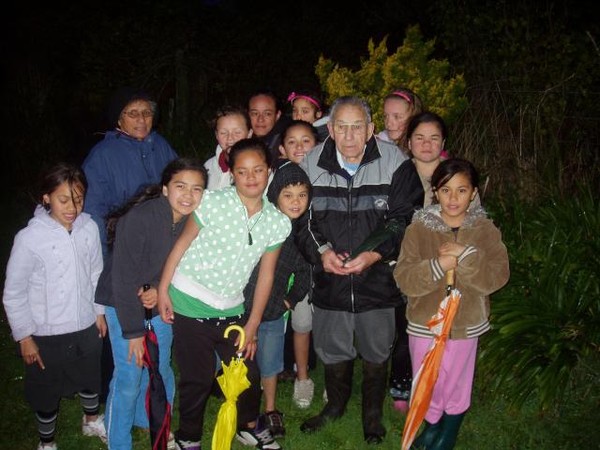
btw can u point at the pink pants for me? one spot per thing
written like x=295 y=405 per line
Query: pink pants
x=452 y=391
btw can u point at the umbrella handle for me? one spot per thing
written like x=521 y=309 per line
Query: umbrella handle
x=240 y=330
x=147 y=312
x=449 y=280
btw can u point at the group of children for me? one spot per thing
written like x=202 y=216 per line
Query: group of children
x=215 y=245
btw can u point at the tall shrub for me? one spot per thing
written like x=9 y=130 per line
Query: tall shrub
x=411 y=65
x=546 y=322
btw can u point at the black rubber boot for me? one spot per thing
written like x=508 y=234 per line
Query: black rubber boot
x=447 y=437
x=338 y=383
x=373 y=393
x=427 y=436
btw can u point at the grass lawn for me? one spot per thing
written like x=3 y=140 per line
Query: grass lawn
x=489 y=425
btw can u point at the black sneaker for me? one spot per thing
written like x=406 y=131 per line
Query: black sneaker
x=259 y=437
x=274 y=420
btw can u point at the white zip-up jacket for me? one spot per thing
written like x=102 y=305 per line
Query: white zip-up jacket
x=51 y=277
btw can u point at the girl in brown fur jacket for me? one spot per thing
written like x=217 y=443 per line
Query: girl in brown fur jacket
x=450 y=235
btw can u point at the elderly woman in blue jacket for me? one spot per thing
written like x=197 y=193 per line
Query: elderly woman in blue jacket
x=128 y=159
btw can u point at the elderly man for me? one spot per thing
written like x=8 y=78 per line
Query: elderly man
x=363 y=199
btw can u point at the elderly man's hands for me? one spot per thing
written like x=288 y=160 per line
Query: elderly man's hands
x=339 y=264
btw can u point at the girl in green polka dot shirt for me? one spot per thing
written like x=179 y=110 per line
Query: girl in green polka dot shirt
x=201 y=289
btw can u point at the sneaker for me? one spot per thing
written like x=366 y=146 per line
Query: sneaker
x=171 y=442
x=274 y=420
x=94 y=428
x=185 y=445
x=47 y=446
x=304 y=391
x=259 y=437
x=400 y=394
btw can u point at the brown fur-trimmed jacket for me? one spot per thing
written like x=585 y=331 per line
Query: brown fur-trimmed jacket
x=482 y=269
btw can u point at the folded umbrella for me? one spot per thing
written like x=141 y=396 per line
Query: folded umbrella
x=424 y=382
x=158 y=407
x=233 y=382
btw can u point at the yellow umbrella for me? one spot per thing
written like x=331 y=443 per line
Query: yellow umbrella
x=233 y=382
x=424 y=382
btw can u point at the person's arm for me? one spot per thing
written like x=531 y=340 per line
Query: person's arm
x=99 y=192
x=405 y=196
x=264 y=284
x=302 y=279
x=19 y=269
x=16 y=301
x=127 y=274
x=484 y=263
x=189 y=233
x=415 y=273
x=97 y=265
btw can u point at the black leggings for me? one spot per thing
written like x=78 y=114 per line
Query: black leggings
x=401 y=370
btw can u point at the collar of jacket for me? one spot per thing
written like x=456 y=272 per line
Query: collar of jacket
x=328 y=159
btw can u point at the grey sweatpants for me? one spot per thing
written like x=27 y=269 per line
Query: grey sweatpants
x=335 y=334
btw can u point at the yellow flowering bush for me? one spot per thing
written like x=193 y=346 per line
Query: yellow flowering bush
x=409 y=66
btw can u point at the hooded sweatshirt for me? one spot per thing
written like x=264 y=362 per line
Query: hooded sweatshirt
x=51 y=277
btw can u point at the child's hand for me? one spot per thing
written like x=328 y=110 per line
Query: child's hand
x=447 y=262
x=333 y=262
x=249 y=348
x=101 y=325
x=165 y=307
x=149 y=298
x=136 y=348
x=30 y=352
x=451 y=248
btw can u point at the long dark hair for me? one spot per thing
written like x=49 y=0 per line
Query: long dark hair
x=450 y=167
x=152 y=191
x=244 y=145
x=58 y=174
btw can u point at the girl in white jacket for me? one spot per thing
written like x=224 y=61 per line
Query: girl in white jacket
x=51 y=276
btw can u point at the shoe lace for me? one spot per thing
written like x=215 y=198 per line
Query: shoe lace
x=275 y=420
x=263 y=436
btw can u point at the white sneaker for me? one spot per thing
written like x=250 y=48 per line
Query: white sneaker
x=304 y=391
x=94 y=428
x=47 y=446
x=171 y=441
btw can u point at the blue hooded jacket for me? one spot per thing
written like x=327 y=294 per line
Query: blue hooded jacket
x=119 y=167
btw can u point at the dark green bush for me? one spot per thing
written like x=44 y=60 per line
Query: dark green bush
x=546 y=321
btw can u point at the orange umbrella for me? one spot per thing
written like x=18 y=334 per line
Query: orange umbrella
x=233 y=382
x=424 y=382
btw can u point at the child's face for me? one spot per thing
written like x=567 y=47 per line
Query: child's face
x=426 y=143
x=396 y=114
x=298 y=141
x=263 y=114
x=184 y=192
x=293 y=200
x=454 y=198
x=230 y=129
x=65 y=203
x=250 y=174
x=302 y=109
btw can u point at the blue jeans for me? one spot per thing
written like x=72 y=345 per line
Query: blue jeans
x=126 y=402
x=271 y=340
